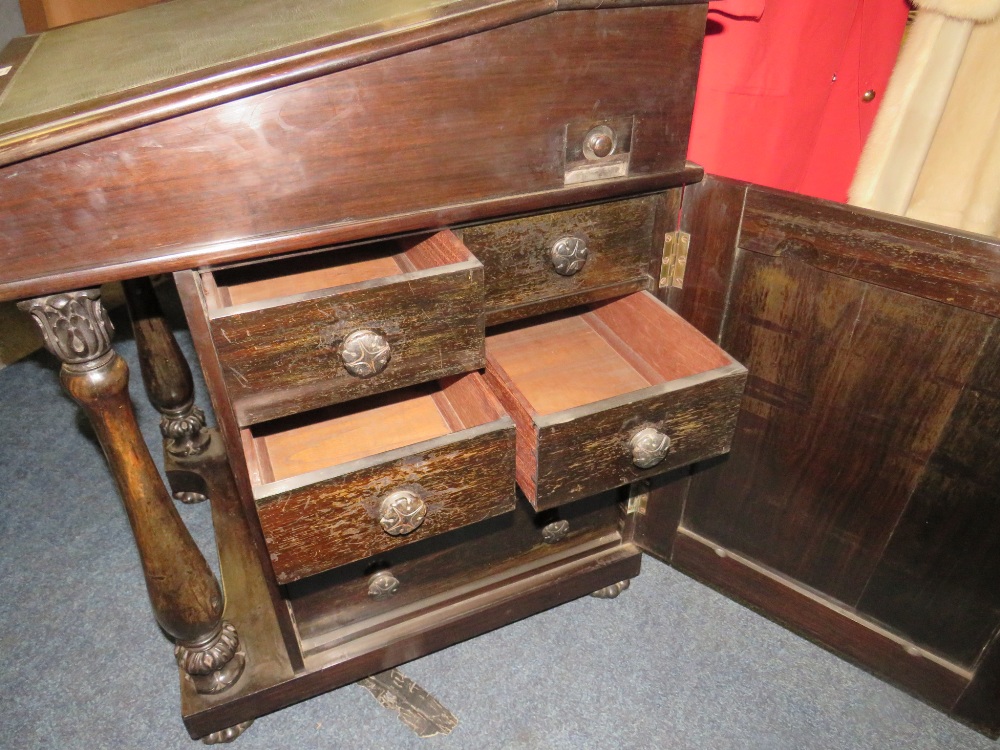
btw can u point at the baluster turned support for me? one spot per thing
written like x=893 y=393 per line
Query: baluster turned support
x=169 y=385
x=186 y=598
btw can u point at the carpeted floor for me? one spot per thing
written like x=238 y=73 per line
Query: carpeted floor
x=669 y=664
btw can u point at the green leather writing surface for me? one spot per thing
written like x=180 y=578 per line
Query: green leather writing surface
x=74 y=65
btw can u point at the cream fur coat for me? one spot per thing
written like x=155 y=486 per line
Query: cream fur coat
x=934 y=150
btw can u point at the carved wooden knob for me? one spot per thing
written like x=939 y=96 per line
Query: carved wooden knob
x=401 y=513
x=382 y=585
x=568 y=255
x=365 y=353
x=599 y=142
x=649 y=447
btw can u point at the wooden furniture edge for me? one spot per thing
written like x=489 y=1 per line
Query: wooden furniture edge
x=824 y=622
x=247 y=248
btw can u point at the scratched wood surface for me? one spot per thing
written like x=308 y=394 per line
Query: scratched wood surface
x=937 y=580
x=284 y=357
x=850 y=389
x=462 y=480
x=517 y=268
x=577 y=400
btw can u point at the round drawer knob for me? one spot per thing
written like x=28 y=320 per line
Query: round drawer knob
x=382 y=585
x=365 y=353
x=649 y=447
x=599 y=142
x=568 y=254
x=555 y=532
x=401 y=513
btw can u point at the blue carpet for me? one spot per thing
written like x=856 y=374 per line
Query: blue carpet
x=669 y=664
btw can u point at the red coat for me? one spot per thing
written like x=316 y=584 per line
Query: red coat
x=782 y=94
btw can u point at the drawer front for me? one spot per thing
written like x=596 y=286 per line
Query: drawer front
x=541 y=263
x=287 y=358
x=460 y=480
x=611 y=394
x=593 y=451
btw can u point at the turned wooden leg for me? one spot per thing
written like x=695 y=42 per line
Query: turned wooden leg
x=167 y=378
x=186 y=598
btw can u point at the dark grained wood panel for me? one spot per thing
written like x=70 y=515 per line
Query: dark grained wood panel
x=515 y=254
x=485 y=115
x=850 y=389
x=655 y=528
x=834 y=627
x=711 y=213
x=935 y=263
x=583 y=451
x=980 y=702
x=938 y=579
x=464 y=478
x=339 y=598
x=285 y=359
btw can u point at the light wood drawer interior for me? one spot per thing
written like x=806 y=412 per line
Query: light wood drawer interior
x=609 y=394
x=302 y=332
x=352 y=480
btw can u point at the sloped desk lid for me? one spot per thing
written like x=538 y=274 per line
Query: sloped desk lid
x=92 y=79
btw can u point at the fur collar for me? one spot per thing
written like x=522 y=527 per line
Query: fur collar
x=969 y=10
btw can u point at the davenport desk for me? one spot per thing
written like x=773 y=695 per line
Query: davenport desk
x=434 y=256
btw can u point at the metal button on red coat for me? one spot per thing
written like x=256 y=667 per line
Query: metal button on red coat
x=868 y=95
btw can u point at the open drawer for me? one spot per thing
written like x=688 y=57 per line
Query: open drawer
x=349 y=481
x=310 y=330
x=611 y=394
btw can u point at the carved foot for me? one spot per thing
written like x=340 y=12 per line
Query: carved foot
x=216 y=664
x=226 y=735
x=612 y=591
x=184 y=432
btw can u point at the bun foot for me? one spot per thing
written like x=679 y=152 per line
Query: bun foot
x=612 y=591
x=226 y=735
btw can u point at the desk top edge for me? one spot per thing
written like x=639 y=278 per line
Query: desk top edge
x=93 y=106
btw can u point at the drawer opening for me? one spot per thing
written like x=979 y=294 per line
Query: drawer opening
x=350 y=481
x=320 y=271
x=578 y=358
x=304 y=446
x=609 y=394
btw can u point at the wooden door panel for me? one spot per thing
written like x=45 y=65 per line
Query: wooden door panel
x=851 y=386
x=937 y=580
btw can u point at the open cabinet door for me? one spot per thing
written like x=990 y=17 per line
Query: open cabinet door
x=860 y=504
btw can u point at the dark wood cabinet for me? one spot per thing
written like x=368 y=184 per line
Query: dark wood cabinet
x=447 y=249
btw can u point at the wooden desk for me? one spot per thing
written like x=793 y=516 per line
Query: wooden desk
x=526 y=155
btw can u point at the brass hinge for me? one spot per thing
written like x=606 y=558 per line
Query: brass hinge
x=638 y=494
x=674 y=262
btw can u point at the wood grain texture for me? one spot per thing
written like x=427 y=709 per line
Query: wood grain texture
x=583 y=452
x=850 y=388
x=655 y=528
x=282 y=359
x=517 y=268
x=463 y=478
x=937 y=580
x=579 y=386
x=240 y=178
x=334 y=607
x=711 y=213
x=834 y=627
x=935 y=263
x=250 y=538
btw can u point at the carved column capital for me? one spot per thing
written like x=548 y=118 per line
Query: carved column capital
x=75 y=327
